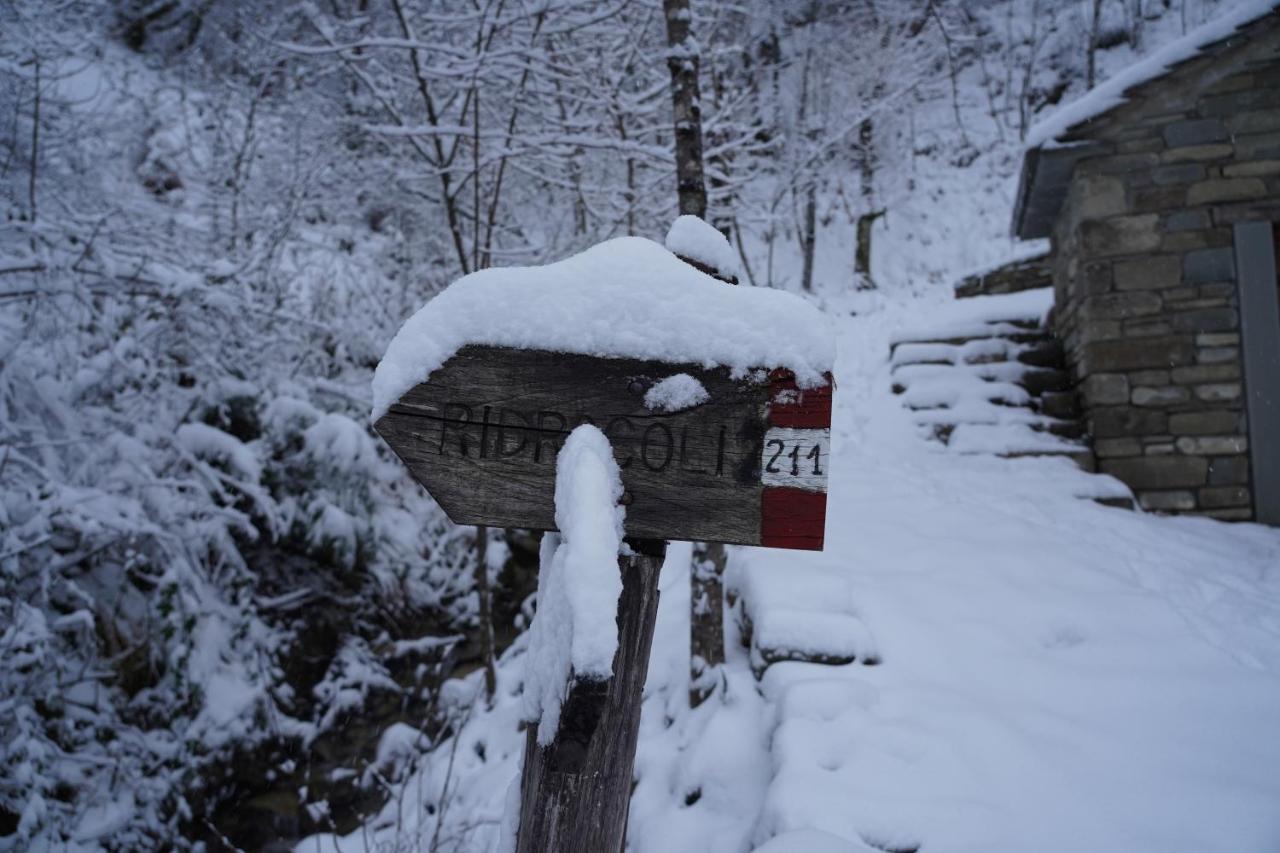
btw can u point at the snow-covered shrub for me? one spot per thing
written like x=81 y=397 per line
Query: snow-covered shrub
x=204 y=551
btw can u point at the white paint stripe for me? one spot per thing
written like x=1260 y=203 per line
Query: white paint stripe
x=796 y=458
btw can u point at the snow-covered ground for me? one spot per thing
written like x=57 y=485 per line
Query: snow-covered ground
x=1056 y=675
x=1053 y=675
x=192 y=504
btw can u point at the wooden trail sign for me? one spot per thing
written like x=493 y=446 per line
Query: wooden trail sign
x=748 y=466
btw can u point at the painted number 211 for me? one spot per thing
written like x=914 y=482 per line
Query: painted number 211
x=814 y=454
x=796 y=458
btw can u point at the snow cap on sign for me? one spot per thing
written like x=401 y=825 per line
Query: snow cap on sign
x=693 y=238
x=624 y=298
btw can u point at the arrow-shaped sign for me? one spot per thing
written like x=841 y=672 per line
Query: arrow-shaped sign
x=746 y=465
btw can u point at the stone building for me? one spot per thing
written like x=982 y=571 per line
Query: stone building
x=1160 y=193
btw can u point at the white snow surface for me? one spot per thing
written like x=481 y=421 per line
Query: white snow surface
x=627 y=298
x=812 y=841
x=1111 y=94
x=1053 y=675
x=699 y=240
x=575 y=630
x=675 y=394
x=783 y=630
x=977 y=316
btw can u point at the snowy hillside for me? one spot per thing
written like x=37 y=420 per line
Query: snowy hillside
x=230 y=619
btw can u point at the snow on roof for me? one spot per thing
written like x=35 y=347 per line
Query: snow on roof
x=1111 y=94
x=624 y=298
x=696 y=239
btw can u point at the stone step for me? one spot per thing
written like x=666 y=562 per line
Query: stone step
x=942 y=416
x=999 y=369
x=1082 y=457
x=1013 y=277
x=989 y=380
x=1063 y=429
x=945 y=407
x=1038 y=381
x=1017 y=335
x=1064 y=405
x=978 y=351
x=1046 y=353
x=832 y=638
x=941 y=430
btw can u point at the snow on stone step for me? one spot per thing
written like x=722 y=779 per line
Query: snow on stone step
x=803 y=615
x=821 y=736
x=985 y=394
x=958 y=334
x=983 y=412
x=948 y=391
x=1008 y=439
x=760 y=586
x=789 y=634
x=1024 y=306
x=1002 y=371
x=801 y=694
x=975 y=351
x=813 y=841
x=1011 y=314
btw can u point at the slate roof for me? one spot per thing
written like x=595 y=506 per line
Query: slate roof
x=1056 y=144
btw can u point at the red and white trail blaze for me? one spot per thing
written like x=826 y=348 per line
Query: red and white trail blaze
x=794 y=464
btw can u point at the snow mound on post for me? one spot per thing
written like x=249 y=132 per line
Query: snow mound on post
x=698 y=240
x=675 y=394
x=575 y=630
x=624 y=298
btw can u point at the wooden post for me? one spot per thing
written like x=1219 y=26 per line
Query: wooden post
x=575 y=793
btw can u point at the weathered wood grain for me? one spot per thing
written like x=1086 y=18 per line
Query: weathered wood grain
x=483 y=433
x=574 y=793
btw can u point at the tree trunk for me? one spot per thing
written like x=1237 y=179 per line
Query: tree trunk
x=575 y=793
x=866 y=157
x=862 y=252
x=706 y=621
x=683 y=61
x=809 y=235
x=485 y=595
x=808 y=225
x=1094 y=24
x=35 y=149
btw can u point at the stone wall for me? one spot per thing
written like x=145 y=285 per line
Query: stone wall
x=1145 y=281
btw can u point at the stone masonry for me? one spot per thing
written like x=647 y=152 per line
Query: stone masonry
x=1144 y=272
x=1013 y=277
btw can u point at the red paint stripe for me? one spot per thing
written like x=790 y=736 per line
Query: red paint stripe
x=792 y=518
x=795 y=407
